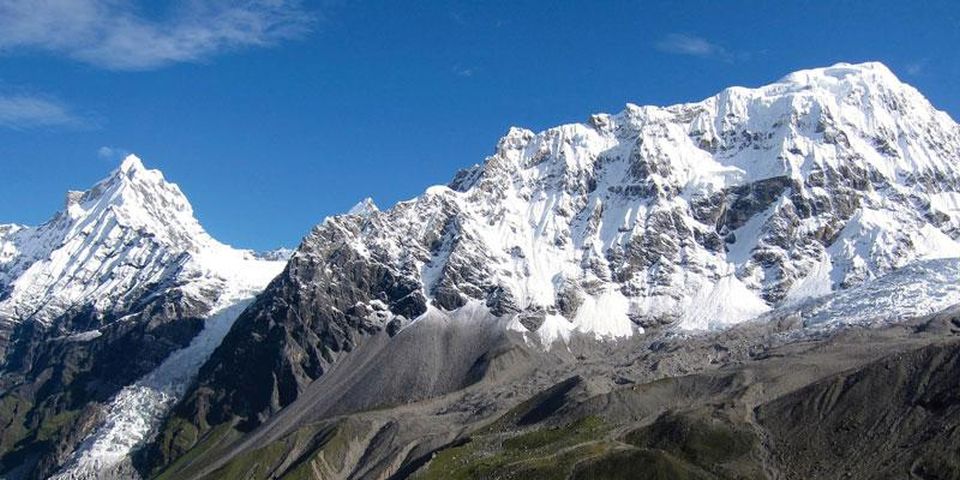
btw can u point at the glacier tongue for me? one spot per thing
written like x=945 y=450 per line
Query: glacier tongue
x=922 y=288
x=136 y=412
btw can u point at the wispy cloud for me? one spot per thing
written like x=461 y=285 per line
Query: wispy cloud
x=463 y=71
x=682 y=44
x=112 y=153
x=117 y=35
x=917 y=68
x=458 y=18
x=23 y=111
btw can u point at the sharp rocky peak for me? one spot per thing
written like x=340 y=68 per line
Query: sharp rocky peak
x=110 y=244
x=142 y=199
x=364 y=207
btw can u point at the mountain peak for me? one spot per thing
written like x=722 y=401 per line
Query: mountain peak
x=870 y=74
x=140 y=198
x=132 y=170
x=131 y=163
x=844 y=69
x=364 y=207
x=133 y=228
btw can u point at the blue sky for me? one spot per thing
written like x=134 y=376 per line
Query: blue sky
x=271 y=114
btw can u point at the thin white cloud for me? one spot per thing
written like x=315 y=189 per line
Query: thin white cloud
x=117 y=35
x=681 y=44
x=21 y=111
x=112 y=153
x=917 y=68
x=462 y=71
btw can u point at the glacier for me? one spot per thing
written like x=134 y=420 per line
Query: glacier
x=136 y=412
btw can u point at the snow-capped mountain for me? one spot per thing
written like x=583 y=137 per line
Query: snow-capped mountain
x=804 y=199
x=699 y=215
x=107 y=312
x=110 y=246
x=694 y=216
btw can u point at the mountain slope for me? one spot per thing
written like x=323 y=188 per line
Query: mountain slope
x=757 y=400
x=689 y=217
x=99 y=296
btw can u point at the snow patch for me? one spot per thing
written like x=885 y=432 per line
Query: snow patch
x=725 y=303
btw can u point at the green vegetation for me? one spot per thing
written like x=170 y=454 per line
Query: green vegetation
x=259 y=463
x=582 y=430
x=673 y=447
x=179 y=436
x=544 y=453
x=53 y=427
x=628 y=464
x=313 y=450
x=13 y=412
x=207 y=443
x=701 y=441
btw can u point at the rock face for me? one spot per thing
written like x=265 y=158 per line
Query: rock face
x=98 y=297
x=694 y=216
x=305 y=319
x=920 y=409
